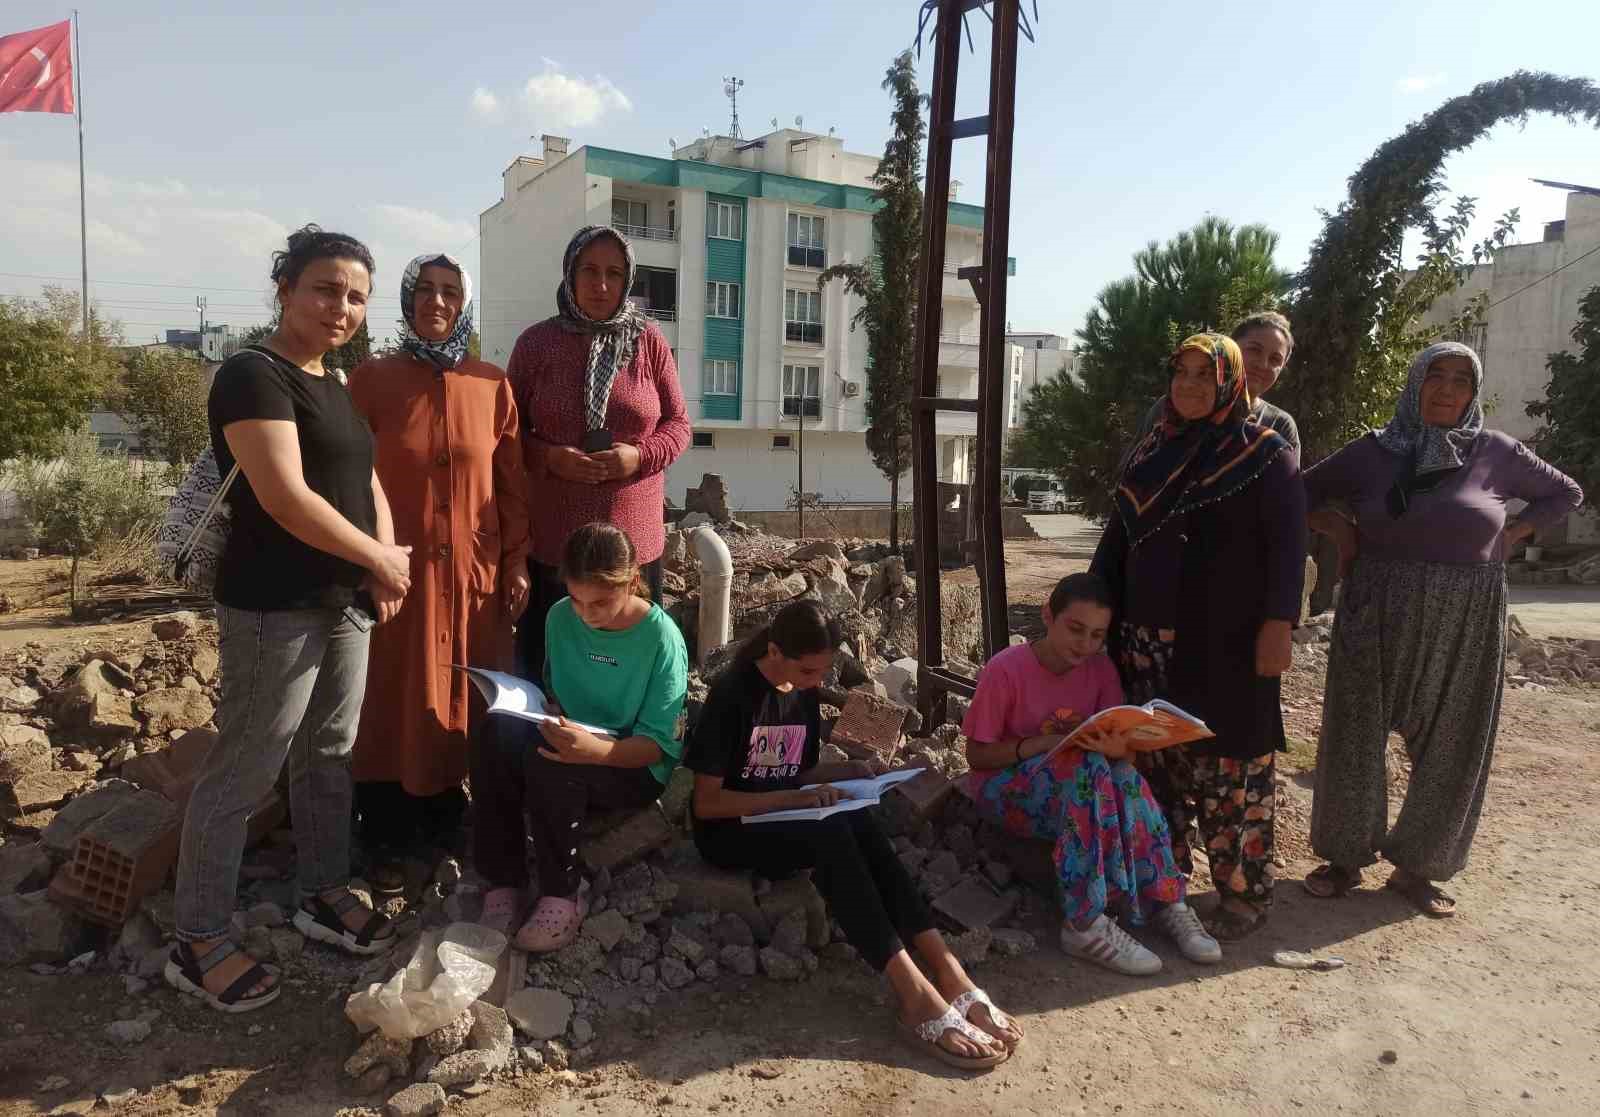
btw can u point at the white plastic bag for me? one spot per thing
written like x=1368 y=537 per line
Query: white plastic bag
x=447 y=972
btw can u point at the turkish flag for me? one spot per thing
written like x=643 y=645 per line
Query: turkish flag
x=36 y=69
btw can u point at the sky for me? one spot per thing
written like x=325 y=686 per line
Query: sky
x=213 y=130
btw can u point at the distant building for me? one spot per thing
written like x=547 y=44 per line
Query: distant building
x=1533 y=292
x=730 y=236
x=1043 y=356
x=217 y=343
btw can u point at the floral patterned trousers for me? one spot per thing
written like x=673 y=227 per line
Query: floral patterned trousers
x=1112 y=849
x=1228 y=801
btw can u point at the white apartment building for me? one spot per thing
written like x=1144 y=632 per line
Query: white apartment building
x=1533 y=291
x=1043 y=356
x=730 y=237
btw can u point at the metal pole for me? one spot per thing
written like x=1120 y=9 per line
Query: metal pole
x=800 y=468
x=83 y=203
x=992 y=370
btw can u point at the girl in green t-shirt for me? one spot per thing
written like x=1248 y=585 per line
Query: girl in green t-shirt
x=614 y=661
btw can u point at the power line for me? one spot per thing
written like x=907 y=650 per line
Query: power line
x=1542 y=278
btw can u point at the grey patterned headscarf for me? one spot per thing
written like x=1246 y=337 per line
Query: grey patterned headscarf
x=1431 y=453
x=611 y=342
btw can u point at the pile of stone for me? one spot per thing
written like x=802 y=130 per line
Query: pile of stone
x=1536 y=663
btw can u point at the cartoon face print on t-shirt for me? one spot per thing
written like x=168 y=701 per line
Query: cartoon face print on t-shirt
x=775 y=752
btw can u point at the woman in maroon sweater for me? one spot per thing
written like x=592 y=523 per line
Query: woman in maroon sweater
x=603 y=418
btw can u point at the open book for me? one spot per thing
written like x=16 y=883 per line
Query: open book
x=1155 y=725
x=863 y=793
x=507 y=694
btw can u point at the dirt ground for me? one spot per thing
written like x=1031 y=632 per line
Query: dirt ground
x=1491 y=1012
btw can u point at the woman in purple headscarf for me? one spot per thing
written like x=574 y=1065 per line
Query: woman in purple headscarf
x=1419 y=637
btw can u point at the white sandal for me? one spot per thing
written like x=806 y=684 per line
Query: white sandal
x=964 y=1004
x=927 y=1034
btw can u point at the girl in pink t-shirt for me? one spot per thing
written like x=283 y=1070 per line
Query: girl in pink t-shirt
x=1112 y=845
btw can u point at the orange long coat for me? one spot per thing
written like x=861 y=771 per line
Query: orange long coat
x=450 y=459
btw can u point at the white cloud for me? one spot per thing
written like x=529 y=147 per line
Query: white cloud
x=485 y=104
x=1419 y=83
x=423 y=230
x=561 y=100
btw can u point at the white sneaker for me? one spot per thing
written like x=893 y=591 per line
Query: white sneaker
x=1180 y=924
x=1109 y=945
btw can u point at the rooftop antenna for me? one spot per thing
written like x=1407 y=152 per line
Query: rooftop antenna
x=800 y=122
x=731 y=87
x=672 y=141
x=774 y=122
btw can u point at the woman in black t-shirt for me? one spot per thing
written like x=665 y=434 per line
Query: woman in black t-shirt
x=756 y=746
x=310 y=556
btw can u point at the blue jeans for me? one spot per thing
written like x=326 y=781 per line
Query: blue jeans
x=292 y=683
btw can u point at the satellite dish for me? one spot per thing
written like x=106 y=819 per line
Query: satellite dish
x=799 y=122
x=673 y=143
x=832 y=129
x=706 y=132
x=727 y=89
x=774 y=122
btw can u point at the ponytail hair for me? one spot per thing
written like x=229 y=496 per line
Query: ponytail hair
x=801 y=628
x=602 y=553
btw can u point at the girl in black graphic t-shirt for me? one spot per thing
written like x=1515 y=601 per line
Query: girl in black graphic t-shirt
x=753 y=751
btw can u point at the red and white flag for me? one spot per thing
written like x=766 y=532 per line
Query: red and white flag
x=36 y=69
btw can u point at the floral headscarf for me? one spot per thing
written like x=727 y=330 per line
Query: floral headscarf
x=611 y=342
x=1184 y=464
x=1431 y=453
x=450 y=352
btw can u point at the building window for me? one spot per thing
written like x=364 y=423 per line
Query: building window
x=805 y=241
x=802 y=390
x=720 y=378
x=628 y=215
x=782 y=442
x=724 y=220
x=802 y=317
x=705 y=440
x=722 y=300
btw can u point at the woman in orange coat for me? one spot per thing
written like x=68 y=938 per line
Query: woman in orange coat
x=446 y=431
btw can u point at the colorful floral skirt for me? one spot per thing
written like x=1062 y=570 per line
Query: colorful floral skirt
x=1113 y=851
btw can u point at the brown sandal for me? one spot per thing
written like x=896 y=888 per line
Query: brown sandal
x=1330 y=881
x=1427 y=897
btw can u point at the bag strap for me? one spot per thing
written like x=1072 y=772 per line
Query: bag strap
x=211 y=510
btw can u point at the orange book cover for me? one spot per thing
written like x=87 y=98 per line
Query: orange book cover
x=1155 y=725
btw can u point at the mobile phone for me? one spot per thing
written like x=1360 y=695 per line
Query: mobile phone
x=596 y=441
x=362 y=613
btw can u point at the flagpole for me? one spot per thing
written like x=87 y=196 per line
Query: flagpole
x=83 y=200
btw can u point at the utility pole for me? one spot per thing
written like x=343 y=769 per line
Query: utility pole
x=200 y=305
x=800 y=469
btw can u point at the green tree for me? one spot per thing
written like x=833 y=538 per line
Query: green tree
x=49 y=379
x=85 y=498
x=888 y=286
x=351 y=353
x=1356 y=304
x=164 y=394
x=1206 y=277
x=1569 y=414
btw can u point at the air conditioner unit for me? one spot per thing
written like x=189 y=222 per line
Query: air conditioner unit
x=852 y=389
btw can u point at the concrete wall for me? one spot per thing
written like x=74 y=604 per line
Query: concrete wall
x=863 y=523
x=1535 y=319
x=762 y=479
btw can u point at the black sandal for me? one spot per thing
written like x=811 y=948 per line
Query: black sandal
x=1330 y=881
x=186 y=973
x=320 y=920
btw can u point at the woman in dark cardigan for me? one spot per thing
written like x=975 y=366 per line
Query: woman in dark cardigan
x=1206 y=554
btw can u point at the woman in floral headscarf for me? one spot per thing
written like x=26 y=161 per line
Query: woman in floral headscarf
x=1205 y=554
x=603 y=418
x=447 y=436
x=1419 y=637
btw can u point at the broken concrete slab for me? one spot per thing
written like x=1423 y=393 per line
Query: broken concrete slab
x=643 y=832
x=174 y=708
x=798 y=894
x=705 y=888
x=23 y=750
x=870 y=728
x=24 y=867
x=38 y=791
x=173 y=770
x=34 y=929
x=540 y=1013
x=175 y=626
x=61 y=836
x=974 y=904
x=92 y=699
x=926 y=793
x=899 y=679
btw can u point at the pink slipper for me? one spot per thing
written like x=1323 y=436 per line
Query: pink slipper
x=500 y=909
x=554 y=924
